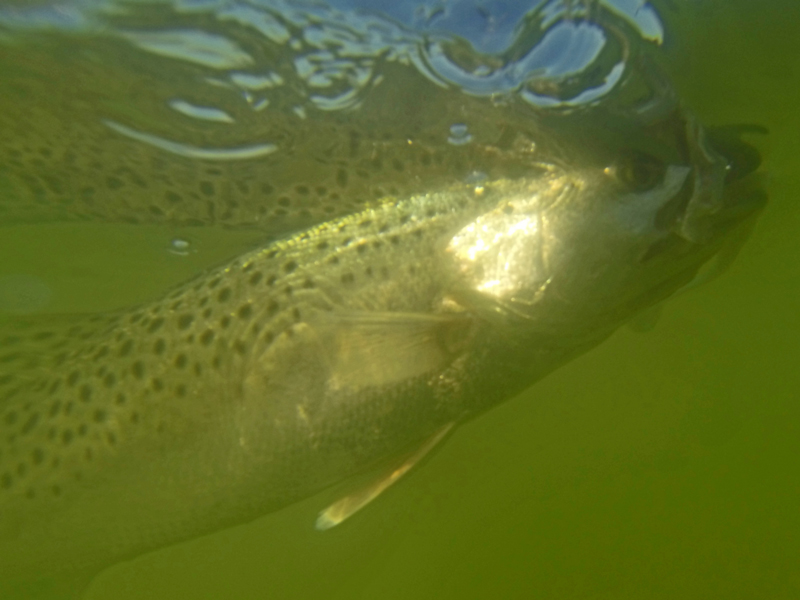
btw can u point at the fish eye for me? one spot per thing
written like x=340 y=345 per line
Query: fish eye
x=638 y=171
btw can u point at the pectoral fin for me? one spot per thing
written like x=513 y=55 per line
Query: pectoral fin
x=378 y=349
x=345 y=507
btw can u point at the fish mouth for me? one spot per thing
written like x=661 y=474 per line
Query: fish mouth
x=725 y=188
x=722 y=192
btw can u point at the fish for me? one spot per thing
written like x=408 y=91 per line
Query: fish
x=358 y=339
x=316 y=357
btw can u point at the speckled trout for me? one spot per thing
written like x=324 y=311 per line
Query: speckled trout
x=361 y=341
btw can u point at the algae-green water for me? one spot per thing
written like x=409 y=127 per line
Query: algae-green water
x=659 y=465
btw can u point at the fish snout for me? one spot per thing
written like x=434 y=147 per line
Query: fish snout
x=726 y=187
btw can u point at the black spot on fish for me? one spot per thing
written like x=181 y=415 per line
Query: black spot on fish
x=224 y=294
x=180 y=361
x=125 y=349
x=138 y=369
x=55 y=408
x=172 y=197
x=185 y=321
x=256 y=277
x=207 y=188
x=156 y=324
x=85 y=393
x=30 y=424
x=207 y=337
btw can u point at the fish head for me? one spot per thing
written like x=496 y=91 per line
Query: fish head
x=625 y=216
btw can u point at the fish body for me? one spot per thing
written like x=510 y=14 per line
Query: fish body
x=316 y=357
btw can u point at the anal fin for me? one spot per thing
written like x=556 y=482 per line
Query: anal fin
x=350 y=504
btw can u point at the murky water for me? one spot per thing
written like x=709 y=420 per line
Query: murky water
x=659 y=465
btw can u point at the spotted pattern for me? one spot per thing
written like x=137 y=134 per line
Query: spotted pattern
x=74 y=395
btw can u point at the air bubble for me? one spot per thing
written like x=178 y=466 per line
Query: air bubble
x=181 y=247
x=459 y=135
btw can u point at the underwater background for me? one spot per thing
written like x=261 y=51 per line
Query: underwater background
x=659 y=465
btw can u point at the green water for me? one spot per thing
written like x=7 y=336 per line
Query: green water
x=661 y=465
